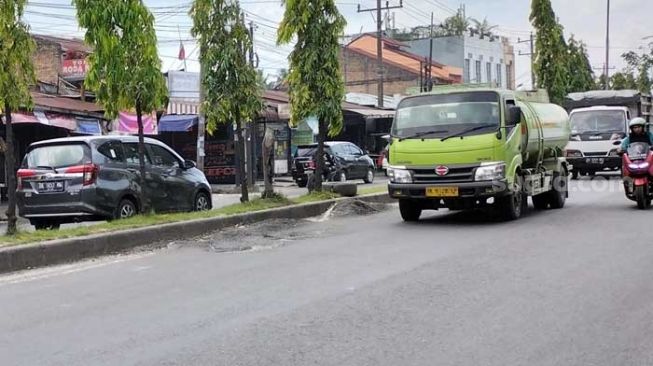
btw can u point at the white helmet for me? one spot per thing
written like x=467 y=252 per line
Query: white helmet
x=637 y=121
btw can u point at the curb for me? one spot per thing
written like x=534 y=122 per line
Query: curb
x=60 y=251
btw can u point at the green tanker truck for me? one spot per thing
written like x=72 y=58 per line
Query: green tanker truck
x=466 y=147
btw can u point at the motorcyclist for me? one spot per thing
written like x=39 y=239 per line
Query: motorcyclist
x=638 y=133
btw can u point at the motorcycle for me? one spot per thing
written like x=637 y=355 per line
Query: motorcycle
x=638 y=174
x=329 y=173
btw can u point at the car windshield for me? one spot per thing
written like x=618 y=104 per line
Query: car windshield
x=57 y=156
x=308 y=151
x=446 y=114
x=305 y=151
x=597 y=122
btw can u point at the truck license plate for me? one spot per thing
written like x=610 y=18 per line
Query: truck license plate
x=442 y=192
x=595 y=160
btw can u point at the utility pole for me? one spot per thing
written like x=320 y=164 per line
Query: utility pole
x=429 y=83
x=201 y=125
x=379 y=44
x=251 y=130
x=607 y=47
x=531 y=40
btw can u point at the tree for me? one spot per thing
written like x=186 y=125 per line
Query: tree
x=640 y=65
x=621 y=81
x=579 y=69
x=125 y=69
x=315 y=80
x=550 y=51
x=233 y=92
x=456 y=25
x=483 y=28
x=16 y=75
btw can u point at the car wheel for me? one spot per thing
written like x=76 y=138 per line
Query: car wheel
x=301 y=183
x=125 y=209
x=45 y=224
x=369 y=177
x=202 y=202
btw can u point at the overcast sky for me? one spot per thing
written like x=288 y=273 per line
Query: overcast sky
x=631 y=20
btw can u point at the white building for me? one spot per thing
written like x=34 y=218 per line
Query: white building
x=483 y=60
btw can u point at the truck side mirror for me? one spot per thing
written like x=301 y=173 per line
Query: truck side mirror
x=514 y=116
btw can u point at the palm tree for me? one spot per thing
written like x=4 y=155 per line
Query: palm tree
x=483 y=28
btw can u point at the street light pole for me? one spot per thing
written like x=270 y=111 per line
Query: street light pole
x=607 y=48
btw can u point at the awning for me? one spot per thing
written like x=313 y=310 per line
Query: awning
x=88 y=126
x=60 y=120
x=127 y=123
x=373 y=113
x=45 y=118
x=177 y=122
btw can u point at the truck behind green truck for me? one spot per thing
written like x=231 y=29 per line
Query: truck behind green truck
x=463 y=148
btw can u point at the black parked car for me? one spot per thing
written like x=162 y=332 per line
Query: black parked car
x=345 y=161
x=98 y=178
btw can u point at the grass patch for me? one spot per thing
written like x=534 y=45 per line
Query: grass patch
x=372 y=190
x=316 y=196
x=258 y=204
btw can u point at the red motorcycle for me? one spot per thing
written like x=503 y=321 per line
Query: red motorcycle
x=638 y=174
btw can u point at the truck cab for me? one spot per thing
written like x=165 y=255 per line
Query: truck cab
x=594 y=133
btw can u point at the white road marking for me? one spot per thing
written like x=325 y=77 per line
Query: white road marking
x=66 y=269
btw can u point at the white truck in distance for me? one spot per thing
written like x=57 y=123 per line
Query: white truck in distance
x=599 y=121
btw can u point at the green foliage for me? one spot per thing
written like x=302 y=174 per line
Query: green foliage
x=550 y=64
x=16 y=49
x=233 y=89
x=456 y=25
x=581 y=75
x=621 y=81
x=315 y=78
x=125 y=69
x=483 y=28
x=639 y=65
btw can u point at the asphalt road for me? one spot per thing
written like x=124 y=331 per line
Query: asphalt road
x=558 y=287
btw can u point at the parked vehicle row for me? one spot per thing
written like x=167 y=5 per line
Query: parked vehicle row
x=98 y=178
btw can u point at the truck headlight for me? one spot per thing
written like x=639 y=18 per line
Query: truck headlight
x=493 y=171
x=573 y=154
x=399 y=175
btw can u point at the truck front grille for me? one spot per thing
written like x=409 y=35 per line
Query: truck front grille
x=456 y=174
x=596 y=153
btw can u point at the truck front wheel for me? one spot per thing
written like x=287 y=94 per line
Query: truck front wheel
x=513 y=205
x=409 y=210
x=574 y=174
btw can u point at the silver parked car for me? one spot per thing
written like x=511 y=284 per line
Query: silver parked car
x=98 y=178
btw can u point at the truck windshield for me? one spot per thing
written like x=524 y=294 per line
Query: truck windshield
x=446 y=114
x=596 y=122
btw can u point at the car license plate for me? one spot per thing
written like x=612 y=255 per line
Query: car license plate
x=50 y=186
x=595 y=160
x=442 y=192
